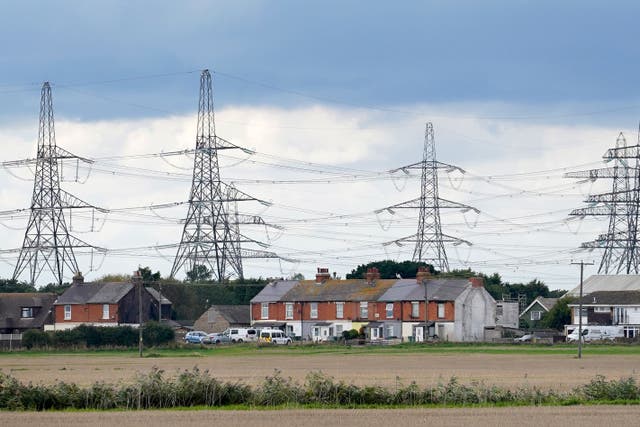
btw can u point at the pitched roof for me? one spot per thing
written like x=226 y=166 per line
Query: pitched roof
x=601 y=282
x=11 y=309
x=610 y=298
x=95 y=293
x=361 y=290
x=274 y=291
x=546 y=303
x=235 y=314
x=157 y=295
x=338 y=290
x=437 y=290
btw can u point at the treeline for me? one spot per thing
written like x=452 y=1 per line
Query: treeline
x=87 y=336
x=198 y=388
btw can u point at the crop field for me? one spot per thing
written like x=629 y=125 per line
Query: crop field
x=554 y=368
x=579 y=416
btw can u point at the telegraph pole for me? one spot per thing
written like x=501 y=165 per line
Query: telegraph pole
x=137 y=279
x=426 y=311
x=581 y=264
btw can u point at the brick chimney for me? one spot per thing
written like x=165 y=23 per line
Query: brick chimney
x=423 y=274
x=322 y=275
x=477 y=282
x=372 y=275
x=78 y=279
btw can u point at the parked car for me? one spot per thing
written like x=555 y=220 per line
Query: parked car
x=274 y=336
x=525 y=338
x=608 y=333
x=194 y=337
x=217 y=338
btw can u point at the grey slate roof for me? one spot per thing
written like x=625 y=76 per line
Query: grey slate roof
x=95 y=293
x=601 y=282
x=11 y=309
x=610 y=298
x=437 y=290
x=361 y=290
x=156 y=295
x=274 y=291
x=235 y=314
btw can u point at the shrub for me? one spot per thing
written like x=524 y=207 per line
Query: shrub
x=34 y=338
x=154 y=334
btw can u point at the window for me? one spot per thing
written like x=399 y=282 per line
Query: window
x=339 y=310
x=601 y=309
x=264 y=310
x=415 y=309
x=440 y=310
x=364 y=310
x=67 y=312
x=536 y=315
x=314 y=310
x=105 y=311
x=390 y=331
x=26 y=312
x=389 y=310
x=288 y=310
x=339 y=330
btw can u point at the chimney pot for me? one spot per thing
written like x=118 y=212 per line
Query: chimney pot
x=372 y=275
x=476 y=282
x=423 y=274
x=322 y=275
x=78 y=279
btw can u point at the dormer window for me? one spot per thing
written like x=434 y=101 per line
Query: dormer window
x=26 y=312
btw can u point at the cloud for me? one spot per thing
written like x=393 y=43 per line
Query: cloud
x=327 y=209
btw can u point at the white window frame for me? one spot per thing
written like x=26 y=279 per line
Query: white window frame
x=415 y=309
x=602 y=309
x=390 y=331
x=313 y=310
x=264 y=310
x=288 y=310
x=441 y=310
x=105 y=311
x=389 y=310
x=339 y=310
x=67 y=312
x=536 y=315
x=364 y=310
x=26 y=312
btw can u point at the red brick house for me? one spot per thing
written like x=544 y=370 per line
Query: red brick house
x=321 y=309
x=102 y=304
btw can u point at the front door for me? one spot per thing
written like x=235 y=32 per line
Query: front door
x=418 y=333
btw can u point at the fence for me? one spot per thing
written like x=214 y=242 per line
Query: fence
x=10 y=341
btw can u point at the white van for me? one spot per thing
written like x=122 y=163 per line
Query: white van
x=273 y=336
x=241 y=334
x=596 y=333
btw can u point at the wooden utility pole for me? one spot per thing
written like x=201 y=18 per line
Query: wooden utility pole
x=137 y=279
x=581 y=264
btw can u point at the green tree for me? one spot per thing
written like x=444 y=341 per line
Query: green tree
x=55 y=288
x=13 y=286
x=390 y=269
x=199 y=273
x=147 y=275
x=559 y=315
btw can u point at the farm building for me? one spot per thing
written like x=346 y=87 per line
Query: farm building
x=321 y=309
x=220 y=317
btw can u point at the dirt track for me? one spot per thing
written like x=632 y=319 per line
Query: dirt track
x=522 y=416
x=560 y=372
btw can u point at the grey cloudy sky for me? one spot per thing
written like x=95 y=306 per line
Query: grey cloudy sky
x=516 y=87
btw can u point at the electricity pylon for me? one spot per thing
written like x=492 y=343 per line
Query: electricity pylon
x=620 y=205
x=429 y=239
x=210 y=237
x=47 y=243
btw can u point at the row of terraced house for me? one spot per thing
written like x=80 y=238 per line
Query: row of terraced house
x=322 y=309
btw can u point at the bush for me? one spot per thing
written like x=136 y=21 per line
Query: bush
x=154 y=334
x=35 y=338
x=351 y=335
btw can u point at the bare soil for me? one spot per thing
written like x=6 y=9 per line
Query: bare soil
x=522 y=416
x=548 y=371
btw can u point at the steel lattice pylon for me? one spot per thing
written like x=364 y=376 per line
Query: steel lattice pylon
x=429 y=239
x=47 y=243
x=210 y=237
x=620 y=244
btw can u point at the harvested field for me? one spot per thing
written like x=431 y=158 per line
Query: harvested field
x=521 y=416
x=548 y=371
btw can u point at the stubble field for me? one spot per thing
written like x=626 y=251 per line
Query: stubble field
x=547 y=369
